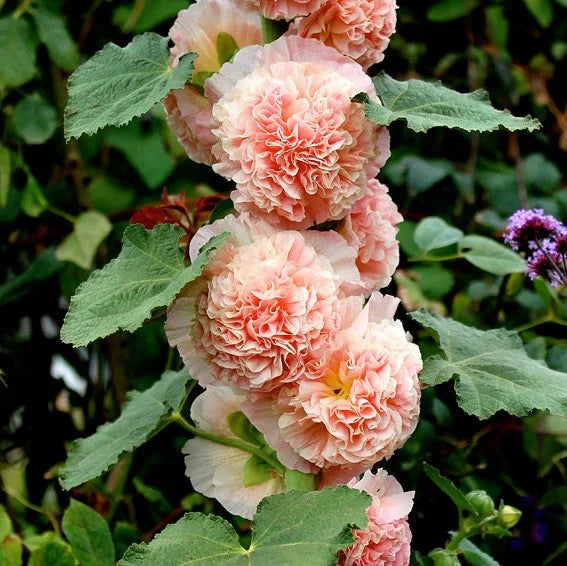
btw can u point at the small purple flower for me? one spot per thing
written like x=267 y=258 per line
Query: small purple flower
x=544 y=241
x=527 y=228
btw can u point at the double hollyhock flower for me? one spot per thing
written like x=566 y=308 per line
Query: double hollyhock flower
x=386 y=539
x=267 y=305
x=197 y=30
x=355 y=404
x=370 y=228
x=300 y=151
x=359 y=29
x=217 y=470
x=283 y=9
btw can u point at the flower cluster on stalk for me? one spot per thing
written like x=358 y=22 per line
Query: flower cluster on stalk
x=543 y=240
x=287 y=325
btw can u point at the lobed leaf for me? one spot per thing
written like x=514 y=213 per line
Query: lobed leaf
x=426 y=105
x=492 y=370
x=291 y=529
x=118 y=84
x=141 y=417
x=147 y=274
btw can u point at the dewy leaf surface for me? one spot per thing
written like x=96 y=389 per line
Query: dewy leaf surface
x=90 y=457
x=147 y=274
x=118 y=84
x=492 y=370
x=427 y=105
x=291 y=529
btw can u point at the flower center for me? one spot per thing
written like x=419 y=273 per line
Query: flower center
x=339 y=381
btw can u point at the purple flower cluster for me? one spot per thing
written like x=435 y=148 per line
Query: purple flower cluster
x=544 y=241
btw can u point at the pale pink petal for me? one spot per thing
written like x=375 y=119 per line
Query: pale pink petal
x=283 y=9
x=360 y=29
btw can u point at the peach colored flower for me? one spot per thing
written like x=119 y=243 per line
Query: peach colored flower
x=267 y=304
x=370 y=228
x=386 y=539
x=359 y=29
x=217 y=470
x=196 y=30
x=300 y=151
x=283 y=9
x=356 y=403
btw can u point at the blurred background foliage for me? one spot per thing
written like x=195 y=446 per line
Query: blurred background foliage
x=63 y=208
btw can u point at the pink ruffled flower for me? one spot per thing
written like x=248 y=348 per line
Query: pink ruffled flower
x=283 y=9
x=266 y=306
x=217 y=470
x=300 y=151
x=386 y=540
x=359 y=29
x=370 y=228
x=357 y=403
x=196 y=30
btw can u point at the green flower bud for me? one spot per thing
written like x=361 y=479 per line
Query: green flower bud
x=442 y=557
x=481 y=502
x=508 y=516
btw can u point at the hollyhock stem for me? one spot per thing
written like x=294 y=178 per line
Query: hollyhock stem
x=241 y=445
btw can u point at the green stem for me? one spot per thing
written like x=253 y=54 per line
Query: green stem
x=453 y=545
x=233 y=443
x=62 y=214
x=37 y=509
x=428 y=257
x=534 y=323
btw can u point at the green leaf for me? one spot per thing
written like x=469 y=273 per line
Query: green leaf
x=5 y=175
x=17 y=52
x=491 y=256
x=474 y=556
x=541 y=10
x=53 y=33
x=108 y=195
x=89 y=535
x=256 y=472
x=42 y=268
x=118 y=84
x=226 y=47
x=433 y=233
x=448 y=488
x=152 y=495
x=152 y=14
x=222 y=209
x=90 y=457
x=447 y=10
x=240 y=425
x=5 y=523
x=80 y=247
x=147 y=274
x=498 y=25
x=33 y=202
x=492 y=370
x=11 y=552
x=144 y=150
x=427 y=105
x=54 y=553
x=34 y=120
x=296 y=480
x=291 y=529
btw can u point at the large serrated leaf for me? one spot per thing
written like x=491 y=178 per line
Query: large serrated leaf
x=89 y=535
x=142 y=414
x=492 y=370
x=118 y=84
x=291 y=529
x=147 y=274
x=427 y=105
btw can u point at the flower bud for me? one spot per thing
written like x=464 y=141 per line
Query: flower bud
x=442 y=557
x=481 y=502
x=508 y=516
